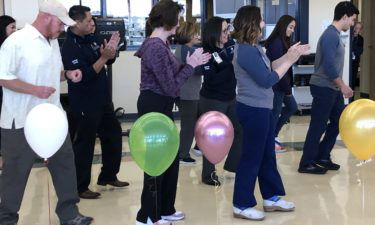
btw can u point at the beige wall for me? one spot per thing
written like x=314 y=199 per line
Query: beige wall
x=1 y=7
x=126 y=73
x=126 y=79
x=368 y=58
x=365 y=58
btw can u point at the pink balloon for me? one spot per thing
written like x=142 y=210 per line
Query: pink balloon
x=214 y=135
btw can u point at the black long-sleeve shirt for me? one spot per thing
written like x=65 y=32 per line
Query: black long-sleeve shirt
x=276 y=50
x=92 y=92
x=219 y=80
x=357 y=47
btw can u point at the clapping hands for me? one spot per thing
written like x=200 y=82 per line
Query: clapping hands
x=108 y=48
x=296 y=50
x=197 y=58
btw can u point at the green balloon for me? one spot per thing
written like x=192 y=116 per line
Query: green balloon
x=154 y=142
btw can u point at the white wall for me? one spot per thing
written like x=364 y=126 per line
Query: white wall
x=321 y=13
x=126 y=78
x=24 y=11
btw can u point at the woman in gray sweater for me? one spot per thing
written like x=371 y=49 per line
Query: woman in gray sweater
x=187 y=35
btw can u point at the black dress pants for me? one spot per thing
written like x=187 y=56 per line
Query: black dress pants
x=104 y=123
x=159 y=193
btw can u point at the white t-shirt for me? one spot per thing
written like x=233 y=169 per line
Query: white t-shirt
x=28 y=56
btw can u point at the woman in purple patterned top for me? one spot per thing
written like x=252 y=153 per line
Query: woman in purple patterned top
x=161 y=79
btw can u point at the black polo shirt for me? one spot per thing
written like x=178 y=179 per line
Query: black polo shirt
x=92 y=92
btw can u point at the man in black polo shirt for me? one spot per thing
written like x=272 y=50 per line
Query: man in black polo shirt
x=90 y=105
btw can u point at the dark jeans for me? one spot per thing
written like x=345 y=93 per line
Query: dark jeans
x=234 y=155
x=189 y=115
x=282 y=114
x=258 y=159
x=104 y=123
x=159 y=193
x=327 y=105
x=18 y=160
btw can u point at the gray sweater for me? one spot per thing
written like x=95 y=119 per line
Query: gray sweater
x=329 y=59
x=254 y=76
x=190 y=90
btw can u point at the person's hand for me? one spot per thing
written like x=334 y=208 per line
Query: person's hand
x=293 y=52
x=74 y=75
x=296 y=50
x=43 y=91
x=346 y=91
x=304 y=49
x=115 y=40
x=198 y=58
x=107 y=51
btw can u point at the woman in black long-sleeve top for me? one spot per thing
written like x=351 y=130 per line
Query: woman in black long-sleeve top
x=277 y=45
x=7 y=27
x=218 y=91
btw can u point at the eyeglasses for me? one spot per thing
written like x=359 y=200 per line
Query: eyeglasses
x=225 y=31
x=228 y=29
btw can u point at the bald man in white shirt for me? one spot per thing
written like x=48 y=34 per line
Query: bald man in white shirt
x=30 y=73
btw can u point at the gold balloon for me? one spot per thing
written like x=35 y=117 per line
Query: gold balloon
x=357 y=128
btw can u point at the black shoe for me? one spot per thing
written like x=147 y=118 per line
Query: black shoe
x=213 y=180
x=79 y=220
x=328 y=164
x=115 y=183
x=187 y=160
x=312 y=169
x=88 y=194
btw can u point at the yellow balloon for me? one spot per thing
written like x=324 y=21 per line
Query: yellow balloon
x=357 y=128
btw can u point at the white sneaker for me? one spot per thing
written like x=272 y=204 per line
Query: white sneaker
x=279 y=148
x=174 y=217
x=249 y=213
x=149 y=222
x=197 y=152
x=281 y=205
x=163 y=222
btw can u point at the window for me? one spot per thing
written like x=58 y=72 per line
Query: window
x=196 y=8
x=135 y=13
x=94 y=6
x=272 y=10
x=183 y=3
x=69 y=3
x=117 y=8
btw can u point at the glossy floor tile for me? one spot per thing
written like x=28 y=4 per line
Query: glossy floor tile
x=345 y=197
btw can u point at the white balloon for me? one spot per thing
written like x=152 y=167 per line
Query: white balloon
x=46 y=128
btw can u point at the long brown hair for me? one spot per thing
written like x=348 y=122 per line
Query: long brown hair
x=280 y=31
x=247 y=24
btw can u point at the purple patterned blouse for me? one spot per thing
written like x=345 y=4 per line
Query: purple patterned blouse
x=160 y=70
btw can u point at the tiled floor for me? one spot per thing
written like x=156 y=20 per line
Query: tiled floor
x=345 y=197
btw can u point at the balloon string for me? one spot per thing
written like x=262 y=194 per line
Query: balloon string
x=49 y=202
x=217 y=190
x=363 y=194
x=156 y=198
x=363 y=162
